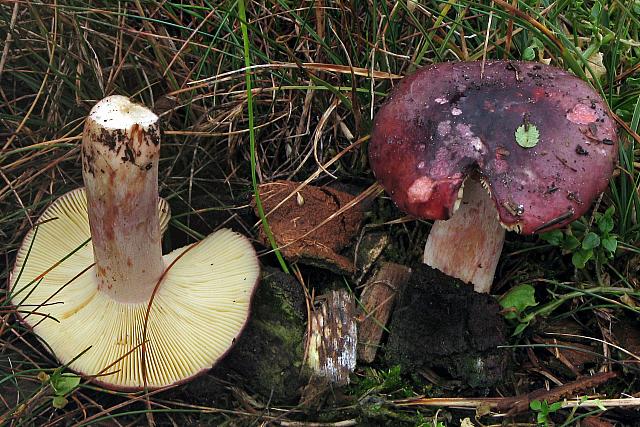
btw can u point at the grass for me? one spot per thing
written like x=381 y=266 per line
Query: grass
x=252 y=92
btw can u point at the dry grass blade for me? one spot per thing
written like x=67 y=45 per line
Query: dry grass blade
x=7 y=40
x=343 y=69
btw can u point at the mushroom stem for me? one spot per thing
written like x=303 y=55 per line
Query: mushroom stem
x=468 y=245
x=120 y=152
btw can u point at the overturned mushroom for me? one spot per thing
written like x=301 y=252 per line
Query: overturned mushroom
x=91 y=280
x=538 y=139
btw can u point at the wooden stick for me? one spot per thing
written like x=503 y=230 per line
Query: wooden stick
x=378 y=298
x=519 y=404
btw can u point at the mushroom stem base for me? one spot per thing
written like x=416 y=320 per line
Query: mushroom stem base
x=468 y=245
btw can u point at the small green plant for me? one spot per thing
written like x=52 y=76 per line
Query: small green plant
x=515 y=302
x=535 y=49
x=378 y=381
x=422 y=421
x=596 y=243
x=543 y=410
x=62 y=384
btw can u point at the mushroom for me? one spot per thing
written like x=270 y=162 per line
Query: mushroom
x=538 y=139
x=91 y=280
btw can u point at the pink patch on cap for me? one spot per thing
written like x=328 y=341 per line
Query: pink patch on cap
x=582 y=115
x=421 y=190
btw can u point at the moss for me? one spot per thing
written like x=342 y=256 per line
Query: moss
x=269 y=354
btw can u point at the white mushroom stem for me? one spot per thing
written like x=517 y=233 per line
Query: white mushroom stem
x=120 y=152
x=468 y=245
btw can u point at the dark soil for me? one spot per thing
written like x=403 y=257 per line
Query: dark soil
x=441 y=323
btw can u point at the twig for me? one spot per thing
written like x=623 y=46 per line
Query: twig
x=518 y=404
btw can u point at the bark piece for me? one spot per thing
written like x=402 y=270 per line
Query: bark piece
x=331 y=348
x=297 y=223
x=370 y=247
x=514 y=405
x=333 y=338
x=269 y=358
x=378 y=298
x=521 y=403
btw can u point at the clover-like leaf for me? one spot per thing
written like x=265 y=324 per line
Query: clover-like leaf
x=518 y=299
x=554 y=237
x=570 y=243
x=529 y=54
x=527 y=136
x=590 y=241
x=610 y=243
x=555 y=406
x=580 y=257
x=536 y=405
x=605 y=223
x=64 y=383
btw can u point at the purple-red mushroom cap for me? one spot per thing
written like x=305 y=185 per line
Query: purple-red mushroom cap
x=447 y=122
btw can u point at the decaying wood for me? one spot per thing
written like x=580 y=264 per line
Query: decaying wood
x=331 y=352
x=519 y=404
x=378 y=298
x=331 y=346
x=368 y=250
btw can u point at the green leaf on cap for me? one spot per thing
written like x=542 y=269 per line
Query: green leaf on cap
x=527 y=136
